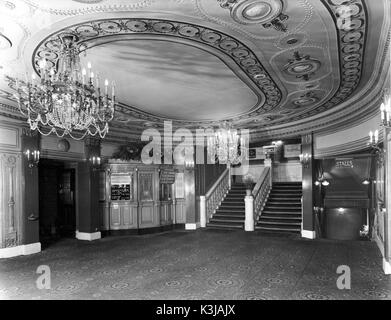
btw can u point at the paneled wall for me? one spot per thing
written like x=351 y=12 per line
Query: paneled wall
x=11 y=210
x=287 y=172
x=11 y=186
x=206 y=175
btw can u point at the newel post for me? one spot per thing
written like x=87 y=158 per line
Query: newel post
x=269 y=164
x=249 y=224
x=203 y=211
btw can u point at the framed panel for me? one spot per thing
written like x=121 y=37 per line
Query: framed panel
x=179 y=185
x=146 y=186
x=292 y=150
x=380 y=182
x=121 y=187
x=255 y=154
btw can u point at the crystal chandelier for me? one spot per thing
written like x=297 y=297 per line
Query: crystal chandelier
x=66 y=99
x=226 y=145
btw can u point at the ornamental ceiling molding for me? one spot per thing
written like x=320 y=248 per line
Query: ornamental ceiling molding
x=235 y=50
x=351 y=43
x=307 y=8
x=349 y=114
x=94 y=8
x=366 y=100
x=268 y=14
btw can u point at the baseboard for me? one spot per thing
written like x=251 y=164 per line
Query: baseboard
x=22 y=250
x=308 y=234
x=88 y=236
x=132 y=232
x=386 y=266
x=192 y=226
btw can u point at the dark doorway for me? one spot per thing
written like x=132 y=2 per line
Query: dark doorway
x=56 y=201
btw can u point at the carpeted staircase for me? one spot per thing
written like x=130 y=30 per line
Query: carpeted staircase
x=282 y=212
x=230 y=214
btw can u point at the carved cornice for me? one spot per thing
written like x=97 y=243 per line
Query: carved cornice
x=346 y=148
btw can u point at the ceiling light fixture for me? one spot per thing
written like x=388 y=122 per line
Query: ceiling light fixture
x=226 y=144
x=68 y=98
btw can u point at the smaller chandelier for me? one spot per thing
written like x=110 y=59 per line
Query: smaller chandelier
x=226 y=145
x=66 y=99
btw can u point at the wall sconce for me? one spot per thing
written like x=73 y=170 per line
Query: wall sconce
x=366 y=182
x=385 y=111
x=189 y=164
x=33 y=157
x=95 y=161
x=323 y=183
x=375 y=146
x=305 y=159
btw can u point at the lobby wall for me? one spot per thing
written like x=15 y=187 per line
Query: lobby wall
x=348 y=140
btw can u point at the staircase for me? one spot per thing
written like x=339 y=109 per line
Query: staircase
x=282 y=212
x=230 y=214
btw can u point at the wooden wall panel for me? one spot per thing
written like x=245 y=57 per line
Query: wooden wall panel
x=287 y=172
x=11 y=199
x=148 y=218
x=180 y=212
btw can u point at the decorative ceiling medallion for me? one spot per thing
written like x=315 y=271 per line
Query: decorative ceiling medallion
x=305 y=100
x=5 y=43
x=268 y=13
x=244 y=58
x=302 y=67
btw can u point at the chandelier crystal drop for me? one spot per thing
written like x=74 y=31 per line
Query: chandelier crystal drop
x=226 y=145
x=66 y=99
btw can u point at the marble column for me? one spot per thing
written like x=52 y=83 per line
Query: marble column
x=88 y=220
x=308 y=224
x=387 y=215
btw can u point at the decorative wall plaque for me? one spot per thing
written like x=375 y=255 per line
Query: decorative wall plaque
x=145 y=185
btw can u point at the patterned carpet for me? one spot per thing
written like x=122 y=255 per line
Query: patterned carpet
x=207 y=264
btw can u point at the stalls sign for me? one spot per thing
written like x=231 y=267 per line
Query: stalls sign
x=344 y=163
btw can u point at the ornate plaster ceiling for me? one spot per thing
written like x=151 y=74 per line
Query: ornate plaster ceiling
x=274 y=66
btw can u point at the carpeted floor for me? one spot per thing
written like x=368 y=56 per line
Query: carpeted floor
x=207 y=264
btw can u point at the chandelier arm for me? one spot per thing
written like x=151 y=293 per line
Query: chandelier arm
x=45 y=134
x=20 y=109
x=76 y=138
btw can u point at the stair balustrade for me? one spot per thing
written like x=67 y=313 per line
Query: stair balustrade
x=261 y=192
x=255 y=202
x=213 y=198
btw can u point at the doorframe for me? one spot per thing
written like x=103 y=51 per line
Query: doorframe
x=74 y=165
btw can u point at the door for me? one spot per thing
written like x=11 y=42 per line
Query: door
x=67 y=212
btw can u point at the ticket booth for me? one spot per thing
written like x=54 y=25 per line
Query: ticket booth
x=137 y=197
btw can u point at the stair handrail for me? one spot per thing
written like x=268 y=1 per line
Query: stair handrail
x=216 y=194
x=261 y=192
